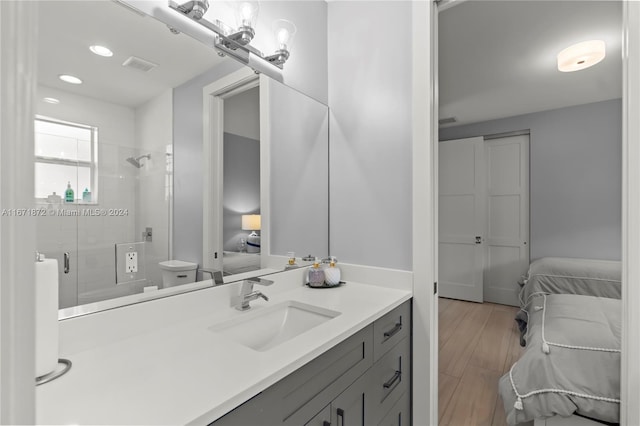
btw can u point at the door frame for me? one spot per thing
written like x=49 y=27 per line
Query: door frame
x=213 y=96
x=630 y=389
x=425 y=212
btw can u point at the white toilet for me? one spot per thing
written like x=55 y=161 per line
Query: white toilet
x=177 y=272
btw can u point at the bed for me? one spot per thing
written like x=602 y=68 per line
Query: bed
x=572 y=361
x=561 y=275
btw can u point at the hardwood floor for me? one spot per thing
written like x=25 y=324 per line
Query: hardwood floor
x=478 y=343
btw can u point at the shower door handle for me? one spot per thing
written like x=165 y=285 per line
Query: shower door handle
x=67 y=256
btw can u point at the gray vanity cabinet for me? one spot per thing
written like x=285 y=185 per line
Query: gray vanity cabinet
x=362 y=381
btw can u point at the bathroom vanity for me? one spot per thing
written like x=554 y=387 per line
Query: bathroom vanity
x=183 y=360
x=362 y=380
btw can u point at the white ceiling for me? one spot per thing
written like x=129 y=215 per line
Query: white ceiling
x=498 y=58
x=68 y=28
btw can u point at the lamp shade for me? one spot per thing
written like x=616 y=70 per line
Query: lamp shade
x=250 y=222
x=582 y=55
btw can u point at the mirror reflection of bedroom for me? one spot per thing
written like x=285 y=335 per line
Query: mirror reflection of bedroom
x=530 y=160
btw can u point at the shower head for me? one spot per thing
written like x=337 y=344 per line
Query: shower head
x=136 y=161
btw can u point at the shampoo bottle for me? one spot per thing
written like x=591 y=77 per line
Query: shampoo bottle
x=68 y=194
x=316 y=274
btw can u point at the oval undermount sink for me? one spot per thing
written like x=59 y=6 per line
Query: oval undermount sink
x=266 y=328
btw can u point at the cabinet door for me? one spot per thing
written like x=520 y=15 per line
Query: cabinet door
x=348 y=409
x=323 y=418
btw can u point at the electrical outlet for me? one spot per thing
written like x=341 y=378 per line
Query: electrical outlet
x=131 y=263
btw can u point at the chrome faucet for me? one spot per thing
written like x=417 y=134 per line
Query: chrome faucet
x=216 y=275
x=247 y=294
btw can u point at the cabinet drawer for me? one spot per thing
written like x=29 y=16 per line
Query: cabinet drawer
x=313 y=386
x=390 y=329
x=389 y=380
x=400 y=414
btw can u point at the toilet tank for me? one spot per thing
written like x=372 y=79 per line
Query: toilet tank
x=177 y=272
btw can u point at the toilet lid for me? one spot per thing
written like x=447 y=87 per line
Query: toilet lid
x=178 y=265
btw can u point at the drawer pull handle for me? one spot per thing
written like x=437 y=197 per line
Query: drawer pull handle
x=394 y=330
x=340 y=413
x=397 y=375
x=182 y=276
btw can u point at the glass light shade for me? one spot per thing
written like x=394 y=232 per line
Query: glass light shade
x=247 y=13
x=250 y=222
x=284 y=32
x=582 y=55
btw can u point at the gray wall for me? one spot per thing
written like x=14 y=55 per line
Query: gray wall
x=370 y=132
x=575 y=177
x=305 y=71
x=187 y=163
x=241 y=186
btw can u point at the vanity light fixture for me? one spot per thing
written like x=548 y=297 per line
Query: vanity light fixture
x=51 y=100
x=235 y=42
x=194 y=9
x=70 y=79
x=101 y=50
x=581 y=55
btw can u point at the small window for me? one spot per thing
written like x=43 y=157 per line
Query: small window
x=65 y=152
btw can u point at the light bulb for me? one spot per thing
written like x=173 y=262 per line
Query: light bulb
x=284 y=32
x=247 y=13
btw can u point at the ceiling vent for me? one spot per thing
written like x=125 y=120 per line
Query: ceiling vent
x=139 y=64
x=448 y=120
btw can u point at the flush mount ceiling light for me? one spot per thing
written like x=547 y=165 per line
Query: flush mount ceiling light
x=234 y=41
x=582 y=55
x=101 y=50
x=70 y=79
x=51 y=100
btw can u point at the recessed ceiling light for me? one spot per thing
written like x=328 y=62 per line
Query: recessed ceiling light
x=51 y=100
x=580 y=56
x=70 y=79
x=101 y=50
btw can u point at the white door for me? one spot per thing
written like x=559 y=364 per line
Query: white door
x=507 y=237
x=461 y=218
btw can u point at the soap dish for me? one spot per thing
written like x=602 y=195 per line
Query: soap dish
x=327 y=285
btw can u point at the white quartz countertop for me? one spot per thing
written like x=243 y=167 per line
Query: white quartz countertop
x=183 y=373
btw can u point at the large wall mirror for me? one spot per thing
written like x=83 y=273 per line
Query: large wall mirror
x=267 y=165
x=109 y=138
